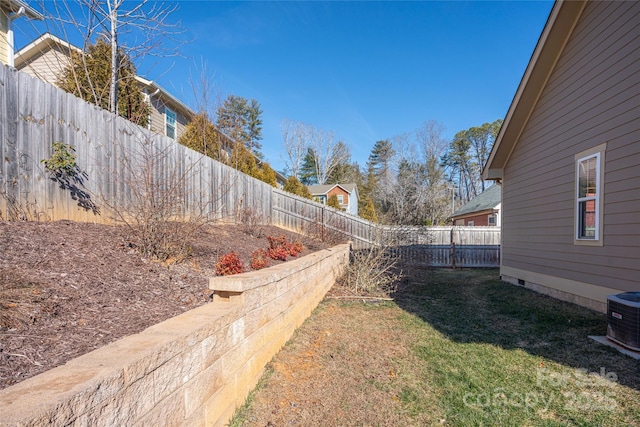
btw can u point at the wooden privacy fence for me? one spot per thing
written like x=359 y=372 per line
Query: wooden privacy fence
x=448 y=246
x=328 y=224
x=123 y=168
x=119 y=164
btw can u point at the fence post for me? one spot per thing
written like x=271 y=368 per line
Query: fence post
x=453 y=255
x=322 y=226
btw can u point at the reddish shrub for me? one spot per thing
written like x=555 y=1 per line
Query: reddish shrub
x=280 y=248
x=229 y=264
x=276 y=242
x=259 y=259
x=295 y=248
x=279 y=253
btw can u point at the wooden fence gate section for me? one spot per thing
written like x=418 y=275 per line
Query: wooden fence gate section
x=454 y=247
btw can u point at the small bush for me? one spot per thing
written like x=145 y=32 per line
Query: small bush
x=251 y=220
x=371 y=272
x=275 y=242
x=296 y=248
x=280 y=248
x=259 y=259
x=279 y=254
x=229 y=264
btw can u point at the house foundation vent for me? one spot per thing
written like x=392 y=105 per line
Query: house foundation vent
x=623 y=319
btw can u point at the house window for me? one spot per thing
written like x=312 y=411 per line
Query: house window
x=471 y=223
x=492 y=219
x=589 y=196
x=341 y=199
x=170 y=123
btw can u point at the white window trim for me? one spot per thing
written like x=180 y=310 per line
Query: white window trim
x=597 y=153
x=341 y=199
x=168 y=111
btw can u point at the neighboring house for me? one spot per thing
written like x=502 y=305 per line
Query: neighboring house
x=47 y=56
x=482 y=210
x=10 y=10
x=347 y=195
x=568 y=157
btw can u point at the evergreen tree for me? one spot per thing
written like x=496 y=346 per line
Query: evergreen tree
x=380 y=158
x=267 y=174
x=202 y=136
x=240 y=119
x=242 y=160
x=368 y=210
x=333 y=202
x=88 y=76
x=293 y=185
x=308 y=171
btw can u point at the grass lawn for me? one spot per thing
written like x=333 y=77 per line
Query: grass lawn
x=456 y=347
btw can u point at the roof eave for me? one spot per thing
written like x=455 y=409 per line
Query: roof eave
x=15 y=5
x=167 y=95
x=556 y=33
x=35 y=47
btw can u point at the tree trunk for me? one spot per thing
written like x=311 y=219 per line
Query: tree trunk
x=113 y=89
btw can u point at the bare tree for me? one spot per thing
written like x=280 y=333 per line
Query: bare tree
x=141 y=28
x=328 y=153
x=295 y=136
x=430 y=140
x=432 y=146
x=200 y=133
x=313 y=152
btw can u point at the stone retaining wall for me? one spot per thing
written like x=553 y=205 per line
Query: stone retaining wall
x=194 y=369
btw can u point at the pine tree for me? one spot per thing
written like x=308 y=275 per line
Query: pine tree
x=88 y=76
x=380 y=158
x=267 y=174
x=333 y=202
x=202 y=136
x=240 y=119
x=368 y=210
x=242 y=160
x=293 y=185
x=308 y=171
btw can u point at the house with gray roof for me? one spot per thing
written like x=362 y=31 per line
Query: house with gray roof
x=347 y=195
x=483 y=210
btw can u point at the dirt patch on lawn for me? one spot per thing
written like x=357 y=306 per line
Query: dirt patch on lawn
x=346 y=366
x=68 y=288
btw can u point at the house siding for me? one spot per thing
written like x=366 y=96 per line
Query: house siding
x=157 y=124
x=339 y=191
x=479 y=219
x=4 y=27
x=591 y=98
x=46 y=66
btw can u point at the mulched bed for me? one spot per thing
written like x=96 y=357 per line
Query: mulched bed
x=68 y=288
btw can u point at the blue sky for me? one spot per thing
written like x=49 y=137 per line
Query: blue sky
x=365 y=70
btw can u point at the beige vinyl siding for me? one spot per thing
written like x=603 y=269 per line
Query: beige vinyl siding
x=592 y=97
x=4 y=27
x=46 y=66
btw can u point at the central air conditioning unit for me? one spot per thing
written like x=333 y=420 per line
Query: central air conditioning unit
x=623 y=319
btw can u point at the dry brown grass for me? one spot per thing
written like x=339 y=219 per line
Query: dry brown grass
x=341 y=371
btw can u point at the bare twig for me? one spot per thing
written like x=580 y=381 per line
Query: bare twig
x=26 y=357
